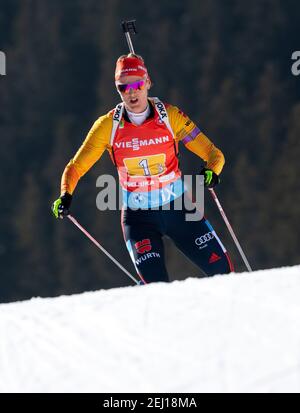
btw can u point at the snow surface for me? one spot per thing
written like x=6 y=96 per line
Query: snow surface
x=236 y=333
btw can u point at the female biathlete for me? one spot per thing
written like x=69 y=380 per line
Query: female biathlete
x=142 y=136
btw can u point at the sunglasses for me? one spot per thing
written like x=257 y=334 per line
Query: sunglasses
x=125 y=87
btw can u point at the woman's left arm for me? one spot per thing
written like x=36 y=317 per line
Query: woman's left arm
x=195 y=140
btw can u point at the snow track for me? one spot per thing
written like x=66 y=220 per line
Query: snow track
x=236 y=333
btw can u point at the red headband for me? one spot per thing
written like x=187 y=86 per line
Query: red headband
x=130 y=66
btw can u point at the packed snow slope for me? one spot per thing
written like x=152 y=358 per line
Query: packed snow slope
x=236 y=333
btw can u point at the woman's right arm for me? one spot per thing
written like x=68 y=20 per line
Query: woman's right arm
x=90 y=152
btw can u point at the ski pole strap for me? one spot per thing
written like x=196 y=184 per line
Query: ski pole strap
x=76 y=223
x=128 y=27
x=230 y=229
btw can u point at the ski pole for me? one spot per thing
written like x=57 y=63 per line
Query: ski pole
x=230 y=229
x=129 y=27
x=76 y=223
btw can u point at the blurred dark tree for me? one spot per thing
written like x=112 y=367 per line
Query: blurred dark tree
x=226 y=64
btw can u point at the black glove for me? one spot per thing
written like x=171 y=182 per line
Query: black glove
x=61 y=207
x=211 y=179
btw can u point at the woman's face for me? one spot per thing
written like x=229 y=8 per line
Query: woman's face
x=135 y=99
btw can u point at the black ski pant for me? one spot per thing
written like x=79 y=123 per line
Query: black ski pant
x=144 y=231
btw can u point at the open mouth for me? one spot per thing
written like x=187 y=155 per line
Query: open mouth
x=133 y=100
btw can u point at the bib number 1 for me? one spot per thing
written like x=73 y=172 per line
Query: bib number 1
x=151 y=165
x=145 y=166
